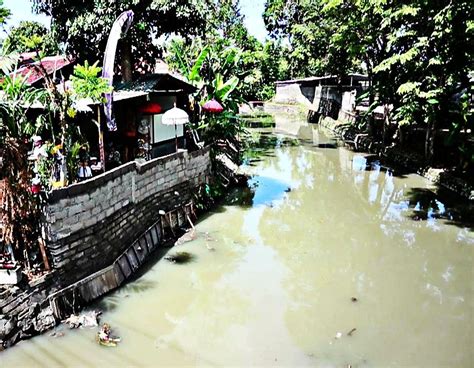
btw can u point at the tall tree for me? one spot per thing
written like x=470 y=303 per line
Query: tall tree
x=356 y=43
x=4 y=14
x=84 y=26
x=429 y=56
x=17 y=39
x=417 y=54
x=228 y=22
x=259 y=65
x=307 y=30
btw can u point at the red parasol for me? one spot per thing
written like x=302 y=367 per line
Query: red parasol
x=213 y=107
x=151 y=108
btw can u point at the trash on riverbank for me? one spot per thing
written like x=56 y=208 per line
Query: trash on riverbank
x=104 y=337
x=56 y=334
x=180 y=257
x=186 y=237
x=86 y=319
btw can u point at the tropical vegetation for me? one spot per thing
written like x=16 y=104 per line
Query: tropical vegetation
x=19 y=38
x=418 y=55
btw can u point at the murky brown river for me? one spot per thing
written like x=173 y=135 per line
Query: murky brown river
x=272 y=281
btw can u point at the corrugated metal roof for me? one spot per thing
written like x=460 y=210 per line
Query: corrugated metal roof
x=117 y=96
x=83 y=102
x=355 y=76
x=125 y=95
x=157 y=82
x=50 y=64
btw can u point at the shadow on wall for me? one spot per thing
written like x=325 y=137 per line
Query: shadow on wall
x=308 y=93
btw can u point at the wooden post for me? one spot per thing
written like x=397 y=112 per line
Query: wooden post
x=101 y=140
x=190 y=222
x=170 y=223
x=176 y=137
x=47 y=267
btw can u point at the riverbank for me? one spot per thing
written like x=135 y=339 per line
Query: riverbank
x=398 y=158
x=325 y=259
x=99 y=233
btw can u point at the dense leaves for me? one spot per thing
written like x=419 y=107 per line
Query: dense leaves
x=21 y=167
x=4 y=14
x=214 y=71
x=84 y=26
x=19 y=38
x=87 y=83
x=417 y=54
x=19 y=212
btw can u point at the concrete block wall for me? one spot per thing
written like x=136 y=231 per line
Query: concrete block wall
x=89 y=224
x=292 y=93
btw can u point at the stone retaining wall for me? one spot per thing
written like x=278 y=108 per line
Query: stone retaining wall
x=98 y=233
x=90 y=223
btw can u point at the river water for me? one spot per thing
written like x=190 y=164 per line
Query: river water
x=326 y=241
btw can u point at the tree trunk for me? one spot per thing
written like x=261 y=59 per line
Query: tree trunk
x=401 y=135
x=430 y=141
x=386 y=125
x=126 y=61
x=370 y=122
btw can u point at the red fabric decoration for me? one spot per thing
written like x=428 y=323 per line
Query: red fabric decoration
x=213 y=107
x=35 y=188
x=151 y=108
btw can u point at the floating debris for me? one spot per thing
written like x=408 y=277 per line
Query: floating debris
x=354 y=299
x=56 y=334
x=180 y=257
x=104 y=337
x=208 y=237
x=212 y=249
x=338 y=335
x=186 y=237
x=351 y=332
x=87 y=319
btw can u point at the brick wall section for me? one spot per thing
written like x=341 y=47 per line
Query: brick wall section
x=89 y=224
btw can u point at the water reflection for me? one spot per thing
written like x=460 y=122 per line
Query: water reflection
x=276 y=270
x=351 y=200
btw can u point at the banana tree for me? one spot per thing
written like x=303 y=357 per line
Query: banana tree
x=216 y=74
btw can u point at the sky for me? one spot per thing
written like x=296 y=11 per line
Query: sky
x=252 y=9
x=21 y=10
